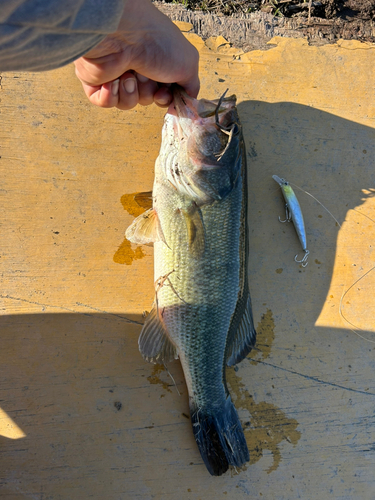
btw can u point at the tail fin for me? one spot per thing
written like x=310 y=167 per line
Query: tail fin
x=220 y=437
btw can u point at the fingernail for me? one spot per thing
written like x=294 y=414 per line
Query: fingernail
x=142 y=79
x=114 y=88
x=163 y=101
x=129 y=85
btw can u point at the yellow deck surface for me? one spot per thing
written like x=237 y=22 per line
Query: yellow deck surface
x=82 y=415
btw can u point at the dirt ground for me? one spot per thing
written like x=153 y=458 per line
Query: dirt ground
x=326 y=9
x=251 y=24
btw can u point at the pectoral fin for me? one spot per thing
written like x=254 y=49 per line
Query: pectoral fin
x=154 y=343
x=244 y=335
x=195 y=229
x=145 y=229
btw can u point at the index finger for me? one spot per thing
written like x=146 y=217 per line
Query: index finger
x=191 y=86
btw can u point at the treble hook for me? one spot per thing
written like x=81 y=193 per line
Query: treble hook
x=288 y=216
x=226 y=130
x=230 y=131
x=303 y=261
x=293 y=213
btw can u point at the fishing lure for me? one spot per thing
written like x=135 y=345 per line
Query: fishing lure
x=293 y=213
x=289 y=218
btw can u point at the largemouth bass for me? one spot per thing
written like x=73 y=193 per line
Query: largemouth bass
x=198 y=224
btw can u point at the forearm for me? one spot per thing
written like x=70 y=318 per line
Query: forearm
x=132 y=51
x=36 y=36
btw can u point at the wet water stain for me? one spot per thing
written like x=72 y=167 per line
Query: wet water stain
x=268 y=427
x=155 y=379
x=126 y=255
x=135 y=204
x=265 y=337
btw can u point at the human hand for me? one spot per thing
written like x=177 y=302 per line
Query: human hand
x=136 y=64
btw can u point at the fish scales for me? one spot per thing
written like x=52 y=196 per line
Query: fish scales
x=210 y=286
x=198 y=224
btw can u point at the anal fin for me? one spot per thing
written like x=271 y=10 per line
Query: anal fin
x=154 y=343
x=242 y=331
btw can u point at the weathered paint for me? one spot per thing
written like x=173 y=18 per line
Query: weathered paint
x=73 y=380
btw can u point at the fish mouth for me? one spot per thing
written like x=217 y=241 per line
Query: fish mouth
x=182 y=106
x=185 y=106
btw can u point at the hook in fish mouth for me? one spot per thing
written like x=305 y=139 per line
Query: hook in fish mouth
x=185 y=106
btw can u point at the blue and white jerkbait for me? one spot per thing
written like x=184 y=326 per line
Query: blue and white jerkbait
x=294 y=214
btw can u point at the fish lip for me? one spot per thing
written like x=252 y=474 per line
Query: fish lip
x=278 y=179
x=172 y=110
x=183 y=105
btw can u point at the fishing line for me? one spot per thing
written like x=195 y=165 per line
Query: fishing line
x=344 y=317
x=321 y=204
x=358 y=280
x=173 y=380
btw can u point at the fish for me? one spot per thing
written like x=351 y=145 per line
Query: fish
x=202 y=311
x=294 y=214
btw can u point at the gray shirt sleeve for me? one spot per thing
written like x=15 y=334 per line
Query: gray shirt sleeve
x=39 y=35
